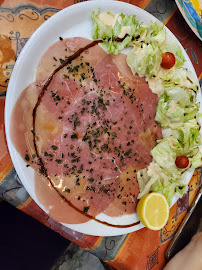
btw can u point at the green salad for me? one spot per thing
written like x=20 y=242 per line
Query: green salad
x=177 y=109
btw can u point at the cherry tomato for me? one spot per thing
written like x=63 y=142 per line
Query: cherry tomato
x=168 y=60
x=182 y=162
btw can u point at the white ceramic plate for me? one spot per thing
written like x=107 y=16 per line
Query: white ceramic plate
x=70 y=22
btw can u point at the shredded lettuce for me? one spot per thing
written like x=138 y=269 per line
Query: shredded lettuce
x=157 y=34
x=100 y=30
x=113 y=47
x=175 y=107
x=144 y=60
x=112 y=27
x=156 y=179
x=196 y=161
x=181 y=77
x=162 y=175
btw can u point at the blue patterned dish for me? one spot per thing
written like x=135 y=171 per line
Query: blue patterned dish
x=191 y=16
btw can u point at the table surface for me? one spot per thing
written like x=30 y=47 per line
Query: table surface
x=143 y=249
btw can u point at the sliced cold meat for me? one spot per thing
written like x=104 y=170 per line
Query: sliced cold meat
x=104 y=130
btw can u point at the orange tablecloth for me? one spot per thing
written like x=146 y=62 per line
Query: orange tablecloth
x=143 y=249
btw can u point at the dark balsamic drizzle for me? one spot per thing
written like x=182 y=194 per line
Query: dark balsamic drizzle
x=41 y=163
x=117 y=39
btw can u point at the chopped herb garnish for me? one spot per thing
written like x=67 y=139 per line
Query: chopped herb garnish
x=86 y=208
x=114 y=134
x=83 y=76
x=58 y=161
x=75 y=160
x=66 y=76
x=27 y=157
x=77 y=122
x=107 y=102
x=41 y=171
x=61 y=61
x=104 y=147
x=74 y=136
x=91 y=180
x=77 y=183
x=54 y=147
x=82 y=110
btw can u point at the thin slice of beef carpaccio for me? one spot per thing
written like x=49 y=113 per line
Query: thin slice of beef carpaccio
x=94 y=130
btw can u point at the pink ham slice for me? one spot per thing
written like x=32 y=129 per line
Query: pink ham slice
x=108 y=129
x=64 y=48
x=127 y=117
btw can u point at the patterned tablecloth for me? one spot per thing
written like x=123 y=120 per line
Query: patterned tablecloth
x=143 y=249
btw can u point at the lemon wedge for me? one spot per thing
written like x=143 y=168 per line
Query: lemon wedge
x=153 y=211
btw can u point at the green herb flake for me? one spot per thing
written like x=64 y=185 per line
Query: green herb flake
x=91 y=180
x=74 y=136
x=61 y=61
x=27 y=158
x=66 y=76
x=86 y=208
x=114 y=134
x=58 y=161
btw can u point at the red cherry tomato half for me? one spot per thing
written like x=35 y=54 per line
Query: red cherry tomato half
x=168 y=60
x=182 y=162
